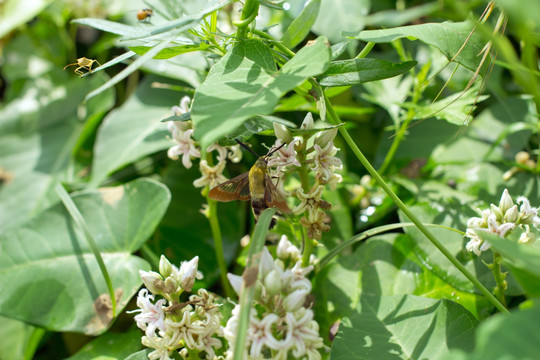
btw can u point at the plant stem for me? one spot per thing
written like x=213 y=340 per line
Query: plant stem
x=218 y=244
x=365 y=51
x=249 y=13
x=499 y=276
x=333 y=118
x=309 y=243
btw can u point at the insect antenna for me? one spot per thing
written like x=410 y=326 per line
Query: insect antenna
x=276 y=149
x=246 y=147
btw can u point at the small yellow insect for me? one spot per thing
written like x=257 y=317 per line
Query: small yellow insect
x=83 y=63
x=145 y=14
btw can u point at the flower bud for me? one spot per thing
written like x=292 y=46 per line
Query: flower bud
x=188 y=272
x=522 y=157
x=527 y=238
x=152 y=281
x=272 y=282
x=282 y=133
x=506 y=201
x=170 y=286
x=165 y=267
x=266 y=264
x=497 y=212
x=324 y=137
x=236 y=283
x=295 y=300
x=308 y=122
x=511 y=214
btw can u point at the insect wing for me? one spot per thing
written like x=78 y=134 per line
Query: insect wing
x=235 y=189
x=273 y=197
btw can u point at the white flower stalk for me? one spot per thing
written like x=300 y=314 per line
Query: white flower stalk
x=211 y=175
x=280 y=324
x=311 y=202
x=171 y=325
x=501 y=221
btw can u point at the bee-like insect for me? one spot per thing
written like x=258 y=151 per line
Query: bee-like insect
x=144 y=14
x=256 y=185
x=83 y=63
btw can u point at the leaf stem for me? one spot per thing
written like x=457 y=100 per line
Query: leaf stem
x=218 y=244
x=81 y=223
x=249 y=13
x=499 y=276
x=366 y=50
x=334 y=119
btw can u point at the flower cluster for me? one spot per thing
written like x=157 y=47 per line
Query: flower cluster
x=302 y=154
x=182 y=135
x=171 y=325
x=501 y=220
x=281 y=326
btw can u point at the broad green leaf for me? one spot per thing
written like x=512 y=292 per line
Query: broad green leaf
x=457 y=108
x=111 y=346
x=384 y=265
x=133 y=130
x=171 y=51
x=37 y=133
x=512 y=336
x=15 y=13
x=50 y=275
x=245 y=83
x=357 y=71
x=448 y=37
x=393 y=18
x=337 y=16
x=140 y=355
x=301 y=26
x=403 y=327
x=14 y=336
x=112 y=27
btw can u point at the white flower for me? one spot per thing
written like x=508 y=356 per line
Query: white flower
x=164 y=346
x=286 y=250
x=527 y=214
x=284 y=157
x=151 y=316
x=282 y=133
x=501 y=230
x=476 y=244
x=308 y=123
x=152 y=280
x=325 y=163
x=221 y=150
x=183 y=108
x=235 y=153
x=314 y=223
x=186 y=275
x=185 y=147
x=211 y=175
x=304 y=334
x=506 y=201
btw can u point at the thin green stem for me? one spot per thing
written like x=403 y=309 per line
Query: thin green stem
x=81 y=223
x=150 y=255
x=366 y=50
x=333 y=118
x=369 y=233
x=303 y=172
x=499 y=276
x=33 y=343
x=218 y=244
x=249 y=13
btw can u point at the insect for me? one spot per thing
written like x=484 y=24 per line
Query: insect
x=255 y=185
x=145 y=14
x=83 y=63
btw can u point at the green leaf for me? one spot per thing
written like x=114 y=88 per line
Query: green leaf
x=522 y=259
x=457 y=108
x=14 y=337
x=448 y=37
x=140 y=355
x=337 y=16
x=512 y=336
x=15 y=13
x=244 y=83
x=403 y=327
x=133 y=130
x=171 y=51
x=112 y=27
x=300 y=27
x=357 y=71
x=37 y=133
x=111 y=345
x=54 y=280
x=392 y=18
